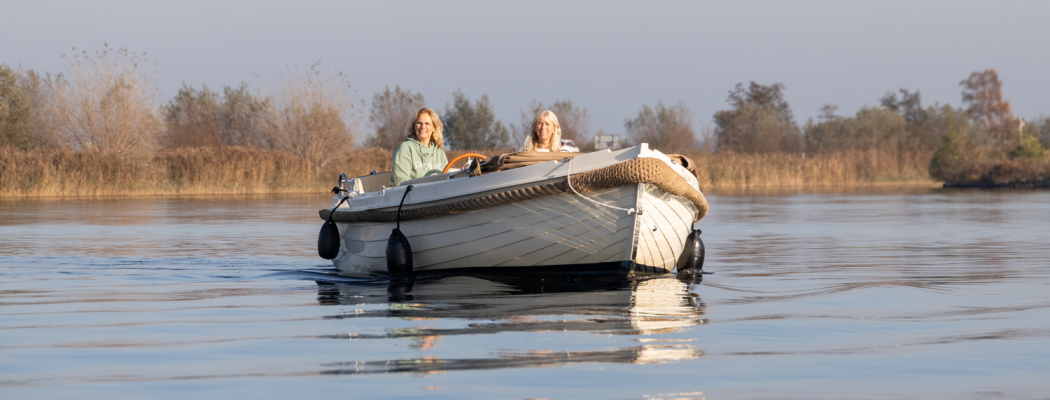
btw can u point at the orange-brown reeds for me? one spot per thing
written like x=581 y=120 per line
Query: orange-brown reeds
x=848 y=168
x=204 y=170
x=249 y=170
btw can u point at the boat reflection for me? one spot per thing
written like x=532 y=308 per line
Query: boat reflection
x=647 y=354
x=640 y=307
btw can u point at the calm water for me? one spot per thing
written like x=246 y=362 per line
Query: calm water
x=895 y=293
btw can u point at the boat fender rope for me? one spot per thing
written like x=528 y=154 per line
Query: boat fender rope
x=407 y=189
x=568 y=175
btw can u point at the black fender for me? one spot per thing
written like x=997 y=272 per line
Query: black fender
x=692 y=259
x=398 y=254
x=328 y=240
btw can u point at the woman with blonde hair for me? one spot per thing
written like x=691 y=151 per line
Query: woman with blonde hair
x=545 y=133
x=423 y=151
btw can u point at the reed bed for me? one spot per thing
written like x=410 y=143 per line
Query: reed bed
x=181 y=171
x=249 y=170
x=728 y=170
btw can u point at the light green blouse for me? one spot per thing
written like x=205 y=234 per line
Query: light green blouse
x=412 y=160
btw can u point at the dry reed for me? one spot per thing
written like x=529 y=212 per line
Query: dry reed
x=197 y=171
x=248 y=170
x=729 y=170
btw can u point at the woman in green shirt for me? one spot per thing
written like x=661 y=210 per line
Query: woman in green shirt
x=423 y=151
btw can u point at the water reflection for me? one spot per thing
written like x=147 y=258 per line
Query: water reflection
x=642 y=307
x=647 y=354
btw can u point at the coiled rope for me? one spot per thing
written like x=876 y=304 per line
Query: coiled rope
x=568 y=179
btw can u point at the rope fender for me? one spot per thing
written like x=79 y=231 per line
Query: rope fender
x=639 y=170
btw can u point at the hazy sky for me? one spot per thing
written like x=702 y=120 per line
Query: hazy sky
x=608 y=57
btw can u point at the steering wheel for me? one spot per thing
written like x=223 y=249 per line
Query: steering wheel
x=460 y=157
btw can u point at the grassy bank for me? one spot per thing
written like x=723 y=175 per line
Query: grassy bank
x=245 y=170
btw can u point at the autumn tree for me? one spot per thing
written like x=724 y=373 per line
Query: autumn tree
x=391 y=115
x=106 y=102
x=473 y=125
x=314 y=115
x=244 y=118
x=191 y=118
x=198 y=118
x=669 y=129
x=982 y=93
x=761 y=121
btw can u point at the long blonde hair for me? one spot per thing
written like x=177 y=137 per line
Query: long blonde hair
x=435 y=137
x=532 y=141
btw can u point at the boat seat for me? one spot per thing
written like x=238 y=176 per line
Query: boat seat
x=372 y=183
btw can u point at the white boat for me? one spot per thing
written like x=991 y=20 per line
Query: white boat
x=626 y=211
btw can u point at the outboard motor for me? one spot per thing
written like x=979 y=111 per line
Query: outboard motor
x=692 y=260
x=398 y=250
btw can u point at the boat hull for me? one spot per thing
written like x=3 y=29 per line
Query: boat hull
x=558 y=234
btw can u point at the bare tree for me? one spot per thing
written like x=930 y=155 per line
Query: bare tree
x=106 y=102
x=983 y=92
x=669 y=129
x=391 y=115
x=309 y=117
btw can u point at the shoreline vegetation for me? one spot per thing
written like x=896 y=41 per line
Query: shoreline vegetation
x=99 y=129
x=246 y=170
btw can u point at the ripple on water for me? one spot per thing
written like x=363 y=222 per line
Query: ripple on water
x=908 y=293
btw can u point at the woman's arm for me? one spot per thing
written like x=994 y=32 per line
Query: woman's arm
x=402 y=165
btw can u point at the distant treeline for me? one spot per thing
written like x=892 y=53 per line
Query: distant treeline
x=982 y=144
x=101 y=125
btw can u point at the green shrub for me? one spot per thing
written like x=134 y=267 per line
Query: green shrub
x=15 y=112
x=1029 y=147
x=954 y=158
